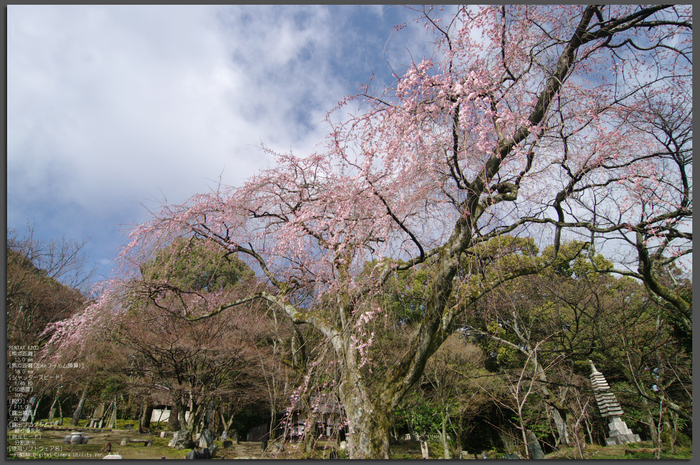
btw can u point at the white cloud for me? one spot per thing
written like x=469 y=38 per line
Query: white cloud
x=109 y=106
x=121 y=101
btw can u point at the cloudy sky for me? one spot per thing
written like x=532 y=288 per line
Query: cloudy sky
x=112 y=109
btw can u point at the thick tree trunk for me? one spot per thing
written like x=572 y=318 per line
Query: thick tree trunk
x=197 y=417
x=653 y=432
x=554 y=404
x=179 y=410
x=226 y=423
x=311 y=434
x=369 y=426
x=182 y=419
x=174 y=419
x=207 y=418
x=146 y=413
x=673 y=431
x=213 y=422
x=458 y=434
x=189 y=424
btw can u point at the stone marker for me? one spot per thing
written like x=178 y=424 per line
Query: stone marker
x=181 y=440
x=206 y=439
x=228 y=444
x=610 y=408
x=424 y=449
x=146 y=442
x=534 y=447
x=197 y=454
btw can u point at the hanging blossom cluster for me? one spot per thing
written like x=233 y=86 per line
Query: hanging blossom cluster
x=69 y=337
x=363 y=339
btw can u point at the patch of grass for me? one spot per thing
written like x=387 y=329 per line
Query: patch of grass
x=632 y=451
x=136 y=451
x=51 y=442
x=409 y=450
x=121 y=424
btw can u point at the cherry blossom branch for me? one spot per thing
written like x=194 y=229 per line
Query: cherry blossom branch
x=399 y=222
x=296 y=316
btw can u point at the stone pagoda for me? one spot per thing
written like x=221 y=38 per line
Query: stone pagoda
x=610 y=408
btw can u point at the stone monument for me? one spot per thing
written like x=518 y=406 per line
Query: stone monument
x=610 y=408
x=181 y=440
x=206 y=439
x=533 y=446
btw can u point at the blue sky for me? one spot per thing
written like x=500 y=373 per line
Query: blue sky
x=112 y=109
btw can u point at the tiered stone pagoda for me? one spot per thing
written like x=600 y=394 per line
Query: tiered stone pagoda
x=610 y=408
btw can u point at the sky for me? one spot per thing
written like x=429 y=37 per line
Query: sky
x=112 y=110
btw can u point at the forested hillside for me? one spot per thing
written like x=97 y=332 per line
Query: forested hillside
x=35 y=297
